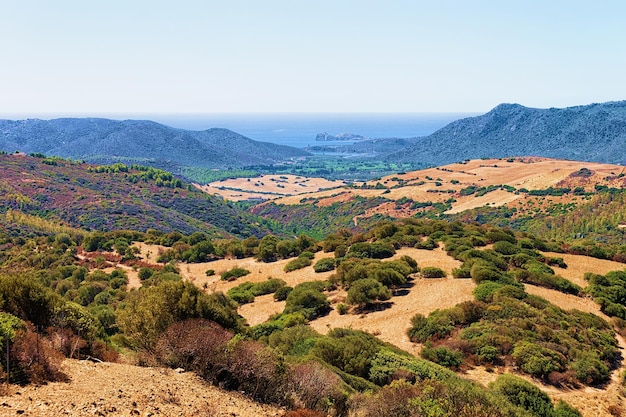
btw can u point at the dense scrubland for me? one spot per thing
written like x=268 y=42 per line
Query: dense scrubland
x=65 y=292
x=50 y=284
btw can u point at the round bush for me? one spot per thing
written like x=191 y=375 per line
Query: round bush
x=505 y=248
x=485 y=290
x=282 y=293
x=324 y=265
x=432 y=272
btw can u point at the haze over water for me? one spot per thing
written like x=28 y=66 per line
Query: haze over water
x=292 y=129
x=300 y=129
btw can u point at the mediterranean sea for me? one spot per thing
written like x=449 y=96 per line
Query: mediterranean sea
x=300 y=129
x=292 y=129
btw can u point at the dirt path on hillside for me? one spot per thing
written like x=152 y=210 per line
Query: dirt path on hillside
x=110 y=389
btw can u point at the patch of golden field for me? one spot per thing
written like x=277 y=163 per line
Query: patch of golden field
x=267 y=187
x=444 y=183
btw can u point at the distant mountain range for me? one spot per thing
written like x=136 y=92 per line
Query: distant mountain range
x=105 y=141
x=595 y=132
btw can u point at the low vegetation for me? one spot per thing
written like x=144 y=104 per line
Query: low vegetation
x=68 y=288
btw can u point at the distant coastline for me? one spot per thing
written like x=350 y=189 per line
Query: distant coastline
x=293 y=129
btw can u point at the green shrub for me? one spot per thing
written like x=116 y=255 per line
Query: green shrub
x=523 y=394
x=374 y=250
x=461 y=273
x=505 y=248
x=282 y=293
x=590 y=370
x=242 y=293
x=432 y=272
x=386 y=363
x=309 y=301
x=324 y=265
x=146 y=313
x=538 y=267
x=511 y=291
x=295 y=340
x=537 y=360
x=428 y=244
x=550 y=281
x=488 y=354
x=443 y=356
x=9 y=324
x=388 y=276
x=480 y=273
x=556 y=261
x=412 y=263
x=436 y=326
x=298 y=263
x=241 y=297
x=234 y=274
x=500 y=235
x=267 y=287
x=519 y=259
x=145 y=273
x=367 y=291
x=351 y=351
x=265 y=329
x=489 y=257
x=342 y=309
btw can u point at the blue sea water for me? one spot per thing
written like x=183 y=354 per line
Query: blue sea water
x=300 y=129
x=293 y=129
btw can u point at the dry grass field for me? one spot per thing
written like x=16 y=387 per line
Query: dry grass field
x=122 y=389
x=445 y=182
x=391 y=322
x=268 y=187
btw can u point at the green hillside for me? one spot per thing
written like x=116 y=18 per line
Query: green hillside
x=140 y=141
x=114 y=197
x=595 y=132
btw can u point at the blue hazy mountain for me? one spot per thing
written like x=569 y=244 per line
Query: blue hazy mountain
x=595 y=132
x=104 y=141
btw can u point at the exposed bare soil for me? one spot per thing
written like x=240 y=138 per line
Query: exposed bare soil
x=110 y=389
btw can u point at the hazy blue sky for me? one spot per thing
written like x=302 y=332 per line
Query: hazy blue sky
x=130 y=56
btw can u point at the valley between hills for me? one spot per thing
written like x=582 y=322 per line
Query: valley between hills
x=437 y=255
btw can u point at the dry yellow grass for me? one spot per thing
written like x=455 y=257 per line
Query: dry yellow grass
x=390 y=324
x=268 y=187
x=527 y=172
x=578 y=265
